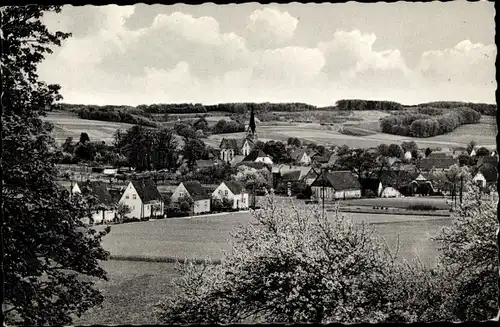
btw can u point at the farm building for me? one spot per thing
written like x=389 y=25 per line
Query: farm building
x=229 y=148
x=300 y=173
x=487 y=175
x=195 y=191
x=322 y=159
x=106 y=205
x=232 y=191
x=390 y=192
x=336 y=185
x=258 y=156
x=143 y=199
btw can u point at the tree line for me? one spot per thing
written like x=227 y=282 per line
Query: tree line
x=426 y=122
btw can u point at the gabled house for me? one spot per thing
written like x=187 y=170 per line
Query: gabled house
x=143 y=199
x=258 y=156
x=232 y=191
x=195 y=191
x=105 y=206
x=408 y=155
x=295 y=173
x=486 y=175
x=301 y=156
x=229 y=148
x=336 y=185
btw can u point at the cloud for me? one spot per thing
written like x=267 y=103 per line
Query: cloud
x=268 y=28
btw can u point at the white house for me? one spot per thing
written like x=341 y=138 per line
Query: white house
x=193 y=190
x=390 y=192
x=110 y=171
x=232 y=191
x=301 y=156
x=229 y=148
x=336 y=185
x=479 y=179
x=408 y=155
x=106 y=207
x=259 y=156
x=143 y=199
x=472 y=153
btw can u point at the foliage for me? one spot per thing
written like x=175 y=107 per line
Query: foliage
x=224 y=126
x=277 y=150
x=470 y=146
x=48 y=250
x=355 y=104
x=122 y=211
x=395 y=150
x=483 y=108
x=409 y=146
x=108 y=113
x=482 y=151
x=470 y=253
x=359 y=161
x=294 y=141
x=252 y=178
x=426 y=122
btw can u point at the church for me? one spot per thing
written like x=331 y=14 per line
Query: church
x=230 y=148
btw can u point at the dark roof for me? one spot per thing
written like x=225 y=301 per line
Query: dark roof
x=229 y=144
x=116 y=194
x=322 y=158
x=438 y=163
x=234 y=186
x=252 y=156
x=99 y=190
x=195 y=190
x=146 y=189
x=339 y=180
x=490 y=172
x=293 y=175
x=438 y=155
x=487 y=160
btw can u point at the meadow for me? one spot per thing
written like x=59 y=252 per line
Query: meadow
x=134 y=286
x=365 y=123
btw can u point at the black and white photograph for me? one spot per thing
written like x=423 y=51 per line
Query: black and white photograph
x=249 y=163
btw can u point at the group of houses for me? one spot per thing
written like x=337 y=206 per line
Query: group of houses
x=144 y=200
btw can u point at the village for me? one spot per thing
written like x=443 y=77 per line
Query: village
x=308 y=172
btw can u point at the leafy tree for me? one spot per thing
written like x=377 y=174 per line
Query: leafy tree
x=84 y=137
x=470 y=256
x=259 y=145
x=277 y=150
x=470 y=146
x=293 y=141
x=482 y=151
x=395 y=150
x=291 y=265
x=122 y=211
x=428 y=151
x=409 y=146
x=194 y=149
x=47 y=249
x=343 y=150
x=359 y=161
x=68 y=145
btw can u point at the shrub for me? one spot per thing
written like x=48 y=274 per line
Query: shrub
x=421 y=207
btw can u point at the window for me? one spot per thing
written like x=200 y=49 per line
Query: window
x=181 y=194
x=127 y=197
x=220 y=192
x=134 y=196
x=243 y=200
x=225 y=192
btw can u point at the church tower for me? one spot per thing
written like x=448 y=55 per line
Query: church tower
x=251 y=131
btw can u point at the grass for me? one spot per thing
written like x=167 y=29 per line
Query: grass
x=400 y=203
x=356 y=131
x=135 y=286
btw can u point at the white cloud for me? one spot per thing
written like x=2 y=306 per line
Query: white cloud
x=269 y=27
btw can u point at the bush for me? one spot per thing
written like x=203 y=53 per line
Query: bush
x=421 y=207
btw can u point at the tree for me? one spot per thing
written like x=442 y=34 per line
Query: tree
x=194 y=149
x=409 y=146
x=359 y=161
x=470 y=146
x=344 y=149
x=428 y=151
x=49 y=248
x=251 y=124
x=482 y=151
x=122 y=211
x=277 y=150
x=293 y=141
x=68 y=145
x=383 y=150
x=395 y=150
x=290 y=266
x=470 y=256
x=84 y=137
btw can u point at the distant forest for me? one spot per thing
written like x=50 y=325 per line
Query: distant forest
x=149 y=115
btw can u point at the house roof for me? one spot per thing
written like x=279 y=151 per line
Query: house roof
x=489 y=171
x=297 y=154
x=438 y=154
x=487 y=160
x=323 y=158
x=237 y=159
x=252 y=156
x=99 y=190
x=437 y=163
x=195 y=190
x=235 y=144
x=293 y=175
x=235 y=187
x=146 y=189
x=339 y=180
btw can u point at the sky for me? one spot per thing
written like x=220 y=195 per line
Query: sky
x=313 y=53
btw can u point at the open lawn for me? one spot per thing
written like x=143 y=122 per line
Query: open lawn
x=438 y=202
x=135 y=287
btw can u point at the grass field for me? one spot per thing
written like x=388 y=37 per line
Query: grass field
x=134 y=287
x=438 y=202
x=66 y=125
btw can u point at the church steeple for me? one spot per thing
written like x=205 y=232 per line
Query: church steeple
x=251 y=125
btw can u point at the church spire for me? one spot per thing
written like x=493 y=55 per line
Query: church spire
x=251 y=124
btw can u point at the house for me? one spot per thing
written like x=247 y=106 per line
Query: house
x=472 y=153
x=408 y=155
x=105 y=203
x=236 y=160
x=336 y=185
x=322 y=159
x=487 y=174
x=233 y=191
x=422 y=183
x=143 y=199
x=195 y=191
x=229 y=148
x=294 y=173
x=390 y=192
x=440 y=163
x=301 y=156
x=258 y=156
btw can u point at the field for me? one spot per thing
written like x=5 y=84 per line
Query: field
x=401 y=203
x=133 y=287
x=484 y=133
